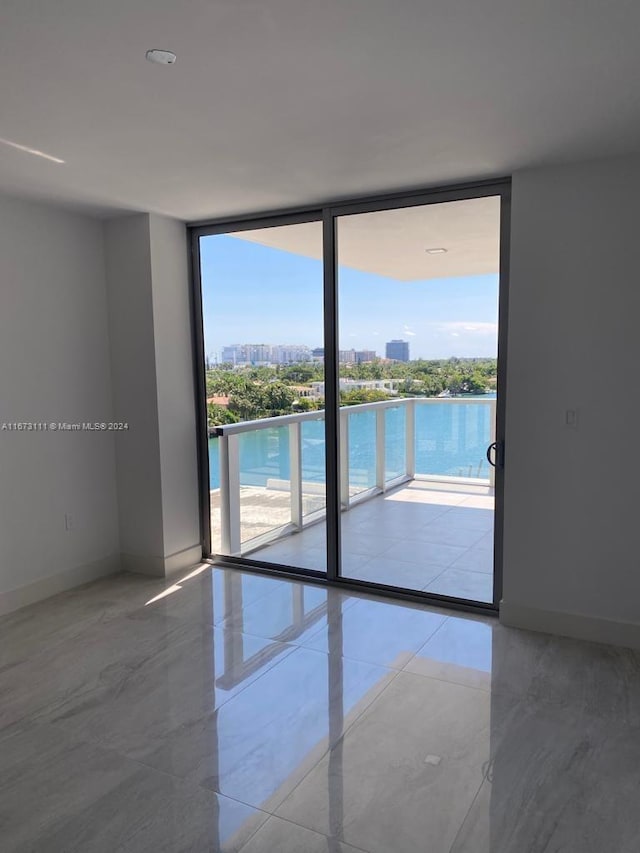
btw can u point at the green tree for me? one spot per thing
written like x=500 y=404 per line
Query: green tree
x=305 y=404
x=300 y=373
x=218 y=415
x=362 y=395
x=276 y=398
x=245 y=403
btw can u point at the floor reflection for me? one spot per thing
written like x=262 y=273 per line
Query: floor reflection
x=281 y=725
x=241 y=712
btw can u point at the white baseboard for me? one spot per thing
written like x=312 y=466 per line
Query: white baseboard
x=182 y=560
x=43 y=588
x=163 y=567
x=574 y=625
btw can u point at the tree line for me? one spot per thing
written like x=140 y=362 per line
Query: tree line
x=263 y=392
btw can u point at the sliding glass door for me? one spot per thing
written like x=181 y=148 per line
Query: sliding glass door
x=351 y=388
x=418 y=309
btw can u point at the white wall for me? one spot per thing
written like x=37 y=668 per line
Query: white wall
x=175 y=385
x=128 y=266
x=54 y=366
x=572 y=528
x=149 y=317
x=94 y=326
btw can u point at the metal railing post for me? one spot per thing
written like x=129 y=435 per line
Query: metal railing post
x=344 y=458
x=295 y=473
x=380 y=449
x=410 y=438
x=230 y=495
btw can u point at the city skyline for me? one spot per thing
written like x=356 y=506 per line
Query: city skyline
x=263 y=352
x=253 y=292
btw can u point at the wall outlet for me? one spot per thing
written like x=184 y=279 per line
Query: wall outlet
x=571 y=418
x=68 y=521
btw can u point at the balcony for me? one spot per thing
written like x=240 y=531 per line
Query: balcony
x=416 y=493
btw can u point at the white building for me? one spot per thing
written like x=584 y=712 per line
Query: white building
x=290 y=353
x=388 y=385
x=262 y=354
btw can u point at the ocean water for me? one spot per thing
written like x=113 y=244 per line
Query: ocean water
x=450 y=440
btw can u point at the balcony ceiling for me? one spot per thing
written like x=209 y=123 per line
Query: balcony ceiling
x=393 y=243
x=279 y=103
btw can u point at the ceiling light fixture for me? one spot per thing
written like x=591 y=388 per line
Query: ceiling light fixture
x=436 y=251
x=28 y=150
x=161 y=57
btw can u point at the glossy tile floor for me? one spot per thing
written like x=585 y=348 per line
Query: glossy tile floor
x=420 y=536
x=237 y=712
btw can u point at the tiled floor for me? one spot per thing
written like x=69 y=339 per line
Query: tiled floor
x=237 y=712
x=421 y=536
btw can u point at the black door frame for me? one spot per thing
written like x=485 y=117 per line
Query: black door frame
x=327 y=214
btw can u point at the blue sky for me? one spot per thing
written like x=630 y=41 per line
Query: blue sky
x=257 y=294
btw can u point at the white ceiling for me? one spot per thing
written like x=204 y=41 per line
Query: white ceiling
x=393 y=243
x=278 y=103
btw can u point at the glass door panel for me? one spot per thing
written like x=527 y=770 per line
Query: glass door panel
x=262 y=301
x=418 y=330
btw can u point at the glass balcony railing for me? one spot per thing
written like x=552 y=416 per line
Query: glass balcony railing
x=382 y=445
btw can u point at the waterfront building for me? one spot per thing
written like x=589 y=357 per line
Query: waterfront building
x=388 y=385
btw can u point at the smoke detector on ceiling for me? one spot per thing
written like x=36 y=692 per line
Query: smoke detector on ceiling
x=162 y=57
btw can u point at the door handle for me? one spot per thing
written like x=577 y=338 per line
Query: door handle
x=498 y=448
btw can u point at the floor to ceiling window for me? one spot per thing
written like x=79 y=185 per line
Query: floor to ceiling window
x=352 y=391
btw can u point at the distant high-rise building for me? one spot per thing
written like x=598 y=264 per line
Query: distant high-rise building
x=244 y=354
x=347 y=356
x=247 y=354
x=259 y=353
x=290 y=353
x=230 y=354
x=397 y=350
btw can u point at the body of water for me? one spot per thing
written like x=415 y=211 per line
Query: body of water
x=450 y=440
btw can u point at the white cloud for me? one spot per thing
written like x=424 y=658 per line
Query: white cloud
x=455 y=328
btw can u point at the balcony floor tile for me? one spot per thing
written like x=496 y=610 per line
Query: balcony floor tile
x=426 y=536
